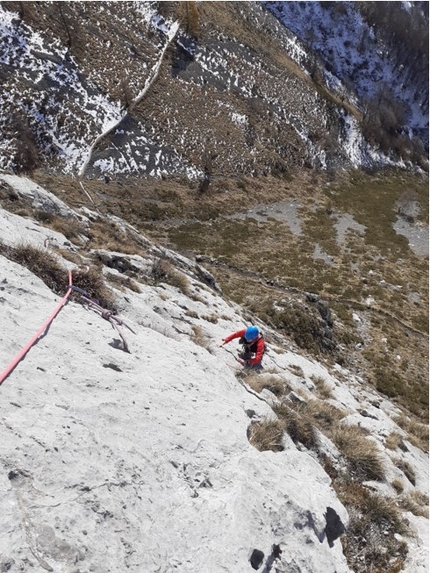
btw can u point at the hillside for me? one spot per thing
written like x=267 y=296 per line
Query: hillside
x=204 y=89
x=141 y=444
x=197 y=167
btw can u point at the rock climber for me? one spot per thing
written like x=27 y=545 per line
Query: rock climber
x=253 y=346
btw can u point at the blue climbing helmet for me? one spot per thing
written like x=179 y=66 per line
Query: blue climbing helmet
x=251 y=333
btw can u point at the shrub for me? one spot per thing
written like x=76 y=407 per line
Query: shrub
x=362 y=454
x=266 y=435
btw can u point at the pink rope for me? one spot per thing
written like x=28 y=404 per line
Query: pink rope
x=38 y=334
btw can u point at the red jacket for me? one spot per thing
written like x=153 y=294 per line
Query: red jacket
x=259 y=344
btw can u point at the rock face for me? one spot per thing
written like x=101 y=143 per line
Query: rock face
x=140 y=461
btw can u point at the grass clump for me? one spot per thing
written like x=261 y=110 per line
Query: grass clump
x=46 y=266
x=123 y=283
x=93 y=283
x=416 y=502
x=259 y=382
x=418 y=434
x=324 y=415
x=266 y=435
x=297 y=424
x=361 y=453
x=41 y=262
x=393 y=441
x=373 y=522
x=406 y=468
x=162 y=270
x=200 y=338
x=323 y=388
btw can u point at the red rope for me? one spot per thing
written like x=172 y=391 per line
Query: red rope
x=38 y=334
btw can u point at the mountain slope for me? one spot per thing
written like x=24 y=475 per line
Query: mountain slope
x=149 y=459
x=231 y=91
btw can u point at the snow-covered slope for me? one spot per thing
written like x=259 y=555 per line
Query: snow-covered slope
x=356 y=58
x=141 y=461
x=148 y=98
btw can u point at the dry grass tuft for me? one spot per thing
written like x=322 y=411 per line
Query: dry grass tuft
x=324 y=415
x=266 y=435
x=361 y=453
x=200 y=338
x=93 y=283
x=296 y=369
x=418 y=433
x=323 y=388
x=398 y=485
x=107 y=235
x=393 y=440
x=416 y=502
x=259 y=382
x=406 y=468
x=297 y=424
x=213 y=318
x=122 y=283
x=70 y=227
x=374 y=520
x=40 y=262
x=163 y=271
